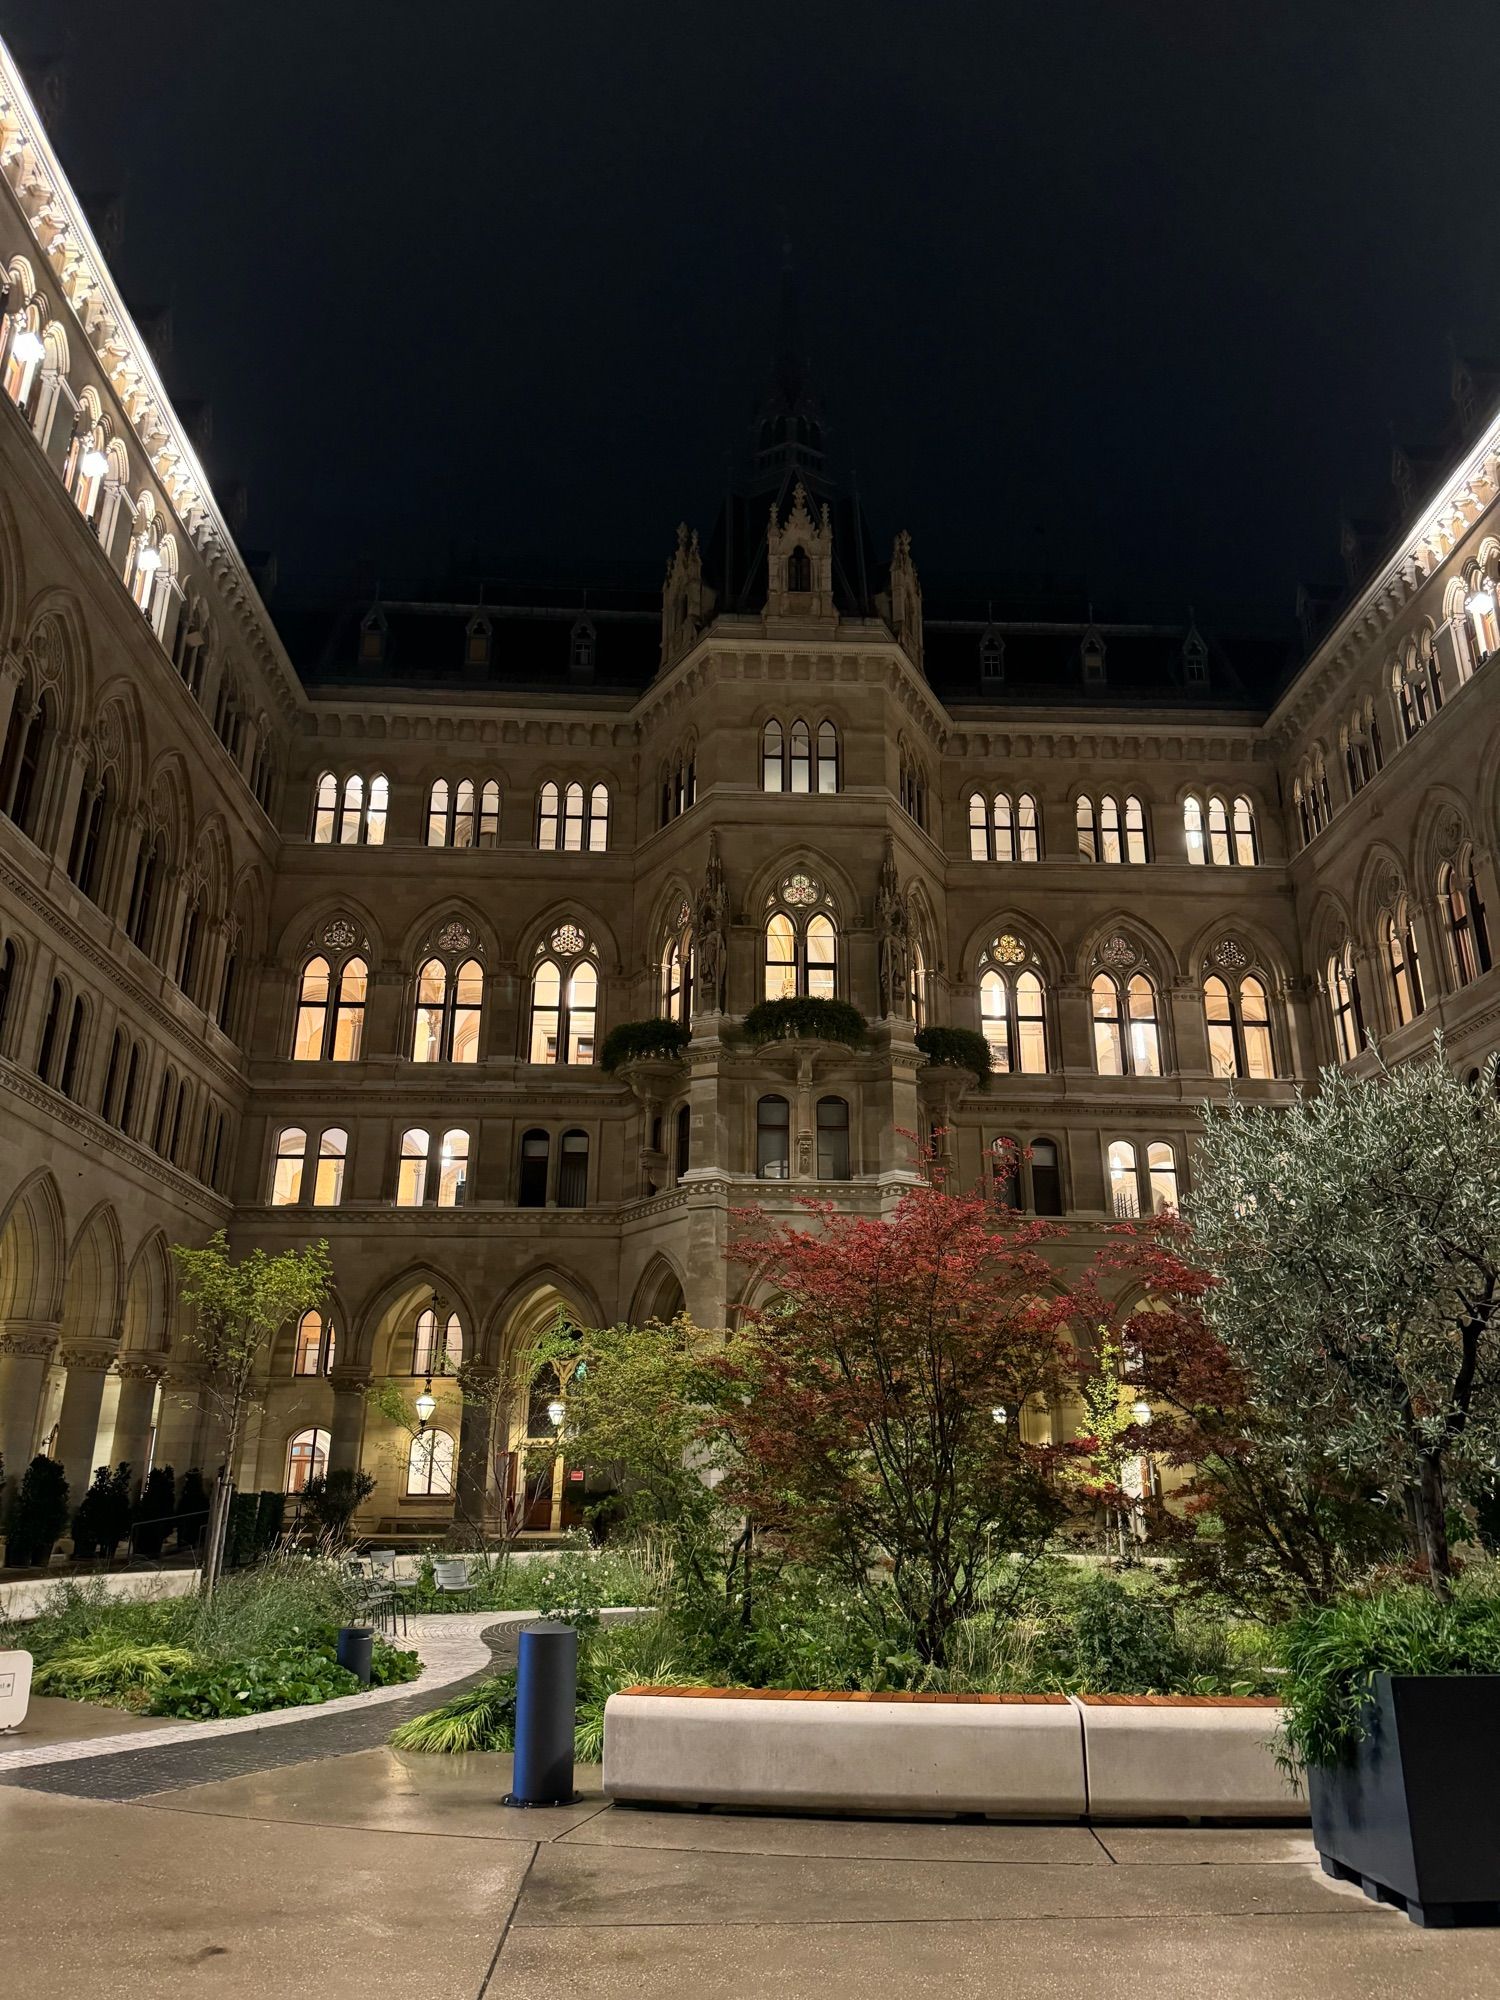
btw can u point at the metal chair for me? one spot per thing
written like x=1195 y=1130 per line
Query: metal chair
x=392 y=1603
x=451 y=1578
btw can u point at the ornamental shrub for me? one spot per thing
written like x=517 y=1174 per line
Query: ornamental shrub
x=634 y=1039
x=192 y=1509
x=331 y=1500
x=38 y=1514
x=957 y=1048
x=803 y=1018
x=102 y=1520
x=154 y=1511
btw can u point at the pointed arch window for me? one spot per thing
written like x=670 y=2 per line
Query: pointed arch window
x=448 y=1010
x=306 y=1458
x=771 y=748
x=1161 y=1175
x=564 y=999
x=1046 y=1177
x=799 y=747
x=435 y=1352
x=547 y=820
x=347 y=814
x=1238 y=1018
x=828 y=757
x=1403 y=965
x=773 y=1138
x=430 y=1460
x=313 y=1351
x=1479 y=608
x=912 y=783
x=1463 y=918
x=676 y=980
x=1013 y=1006
x=801 y=941
x=450 y=813
x=439 y=1175
x=1123 y=1191
x=1127 y=1036
x=330 y=1011
x=573 y=818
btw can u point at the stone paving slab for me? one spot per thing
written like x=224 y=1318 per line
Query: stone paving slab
x=1332 y=1957
x=51 y=1722
x=848 y=1839
x=575 y=1886
x=1130 y=1845
x=96 y=1905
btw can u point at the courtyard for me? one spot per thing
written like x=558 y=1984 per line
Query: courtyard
x=223 y=1869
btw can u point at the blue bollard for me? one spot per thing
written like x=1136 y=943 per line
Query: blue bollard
x=546 y=1700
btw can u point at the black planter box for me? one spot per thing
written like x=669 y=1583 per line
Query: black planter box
x=1414 y=1816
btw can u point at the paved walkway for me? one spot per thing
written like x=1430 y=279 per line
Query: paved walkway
x=374 y=1876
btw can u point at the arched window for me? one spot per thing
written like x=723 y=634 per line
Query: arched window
x=450 y=813
x=1192 y=827
x=916 y=995
x=287 y=1165
x=801 y=941
x=429 y=1465
x=548 y=822
x=1218 y=832
x=1403 y=966
x=306 y=1458
x=833 y=1139
x=328 y=1183
x=1127 y=1040
x=313 y=1352
x=1003 y=830
x=448 y=1009
x=1004 y=1164
x=684 y=1141
x=1246 y=845
x=828 y=757
x=165 y=1098
x=51 y=1026
x=21 y=763
x=329 y=1030
x=771 y=749
x=325 y=810
x=90 y=828
x=1344 y=1004
x=1046 y=1178
x=531 y=1185
x=913 y=789
x=1012 y=1006
x=1088 y=829
x=573 y=1170
x=1479 y=607
x=564 y=999
x=799 y=747
x=347 y=815
x=432 y=1354
x=411 y=1170
x=799 y=570
x=1239 y=1027
x=1161 y=1172
x=1463 y=918
x=773 y=1138
x=1123 y=1192
x=73 y=1049
x=675 y=981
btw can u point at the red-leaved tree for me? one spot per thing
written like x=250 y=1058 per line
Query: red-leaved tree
x=877 y=1426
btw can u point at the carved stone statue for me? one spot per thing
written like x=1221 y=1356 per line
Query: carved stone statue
x=893 y=935
x=711 y=934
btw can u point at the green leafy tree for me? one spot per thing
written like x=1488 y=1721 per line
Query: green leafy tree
x=238 y=1308
x=1355 y=1240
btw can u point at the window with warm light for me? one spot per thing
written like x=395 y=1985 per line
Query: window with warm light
x=1342 y=986
x=329 y=1025
x=313 y=1351
x=800 y=941
x=1127 y=1038
x=564 y=999
x=448 y=1010
x=306 y=1458
x=1237 y=1015
x=1013 y=1006
x=429 y=1465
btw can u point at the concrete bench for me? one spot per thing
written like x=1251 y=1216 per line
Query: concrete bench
x=913 y=1755
x=1157 y=1756
x=1017 y=1756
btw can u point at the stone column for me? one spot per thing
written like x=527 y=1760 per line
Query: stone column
x=25 y=1357
x=181 y=1416
x=64 y=783
x=1073 y=1046
x=132 y=1440
x=118 y=878
x=11 y=675
x=78 y=1424
x=476 y=1495
x=1189 y=1026
x=347 y=1432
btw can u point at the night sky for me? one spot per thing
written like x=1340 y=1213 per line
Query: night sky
x=1127 y=296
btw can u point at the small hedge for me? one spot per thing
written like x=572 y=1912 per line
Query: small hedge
x=956 y=1048
x=634 y=1039
x=804 y=1019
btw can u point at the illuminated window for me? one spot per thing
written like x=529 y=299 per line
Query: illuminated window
x=1239 y=1027
x=324 y=1032
x=1403 y=966
x=1127 y=1039
x=1124 y=1197
x=429 y=1465
x=1012 y=1006
x=350 y=814
x=286 y=1171
x=328 y=1183
x=450 y=813
x=828 y=757
x=448 y=1009
x=306 y=1458
x=564 y=999
x=313 y=1353
x=771 y=746
x=411 y=1172
x=1463 y=917
x=1161 y=1172
x=800 y=941
x=773 y=1139
x=431 y=1354
x=1343 y=1003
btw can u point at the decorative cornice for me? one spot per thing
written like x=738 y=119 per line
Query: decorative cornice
x=86 y=1358
x=72 y=257
x=37 y=1345
x=140 y=1371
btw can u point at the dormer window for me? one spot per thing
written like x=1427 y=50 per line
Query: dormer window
x=581 y=648
x=799 y=570
x=1092 y=655
x=477 y=640
x=991 y=658
x=372 y=634
x=1194 y=660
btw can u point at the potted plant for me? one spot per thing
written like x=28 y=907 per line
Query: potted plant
x=656 y=1040
x=1392 y=1708
x=957 y=1048
x=805 y=1017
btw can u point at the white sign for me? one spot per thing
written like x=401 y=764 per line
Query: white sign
x=15 y=1688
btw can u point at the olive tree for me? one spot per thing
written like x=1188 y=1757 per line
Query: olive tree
x=1355 y=1240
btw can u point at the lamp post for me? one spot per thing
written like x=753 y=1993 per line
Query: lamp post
x=1140 y=1411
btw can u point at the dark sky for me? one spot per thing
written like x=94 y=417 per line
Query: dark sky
x=1124 y=290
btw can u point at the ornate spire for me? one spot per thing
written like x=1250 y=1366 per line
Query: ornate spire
x=788 y=429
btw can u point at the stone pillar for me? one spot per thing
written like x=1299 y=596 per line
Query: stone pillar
x=78 y=1424
x=25 y=1357
x=477 y=1498
x=1073 y=1046
x=118 y=878
x=1190 y=1027
x=11 y=675
x=181 y=1417
x=132 y=1440
x=64 y=783
x=347 y=1432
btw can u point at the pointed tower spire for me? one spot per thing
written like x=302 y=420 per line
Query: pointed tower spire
x=788 y=427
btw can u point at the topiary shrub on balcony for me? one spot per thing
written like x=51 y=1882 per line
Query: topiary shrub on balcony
x=957 y=1048
x=803 y=1019
x=633 y=1039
